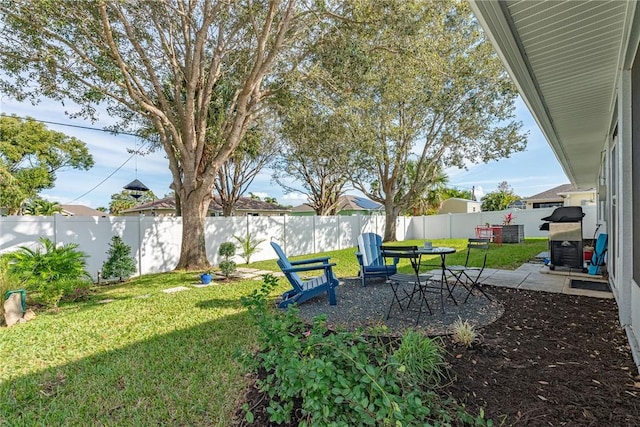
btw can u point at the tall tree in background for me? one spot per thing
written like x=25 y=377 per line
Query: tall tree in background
x=427 y=201
x=235 y=175
x=499 y=199
x=39 y=206
x=30 y=157
x=159 y=61
x=316 y=153
x=125 y=200
x=423 y=85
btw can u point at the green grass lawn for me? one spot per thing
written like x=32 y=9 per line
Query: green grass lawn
x=151 y=358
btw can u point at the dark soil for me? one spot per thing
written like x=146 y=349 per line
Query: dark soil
x=548 y=360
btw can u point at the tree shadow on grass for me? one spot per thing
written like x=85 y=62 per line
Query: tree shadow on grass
x=182 y=377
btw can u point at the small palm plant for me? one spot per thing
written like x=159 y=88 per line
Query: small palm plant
x=52 y=270
x=249 y=246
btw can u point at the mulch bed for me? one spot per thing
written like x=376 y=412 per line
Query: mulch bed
x=544 y=360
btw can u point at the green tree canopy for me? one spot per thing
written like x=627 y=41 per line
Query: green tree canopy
x=30 y=157
x=167 y=63
x=125 y=200
x=499 y=199
x=39 y=206
x=423 y=85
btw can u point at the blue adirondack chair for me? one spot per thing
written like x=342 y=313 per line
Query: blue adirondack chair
x=304 y=290
x=372 y=263
x=597 y=259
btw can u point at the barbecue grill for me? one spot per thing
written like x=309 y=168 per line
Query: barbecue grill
x=565 y=237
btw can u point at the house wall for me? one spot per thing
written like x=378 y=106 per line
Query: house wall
x=580 y=198
x=459 y=206
x=622 y=185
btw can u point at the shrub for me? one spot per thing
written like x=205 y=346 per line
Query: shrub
x=226 y=251
x=249 y=246
x=120 y=263
x=337 y=378
x=421 y=360
x=50 y=270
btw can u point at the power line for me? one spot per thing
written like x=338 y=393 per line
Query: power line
x=69 y=125
x=94 y=129
x=103 y=181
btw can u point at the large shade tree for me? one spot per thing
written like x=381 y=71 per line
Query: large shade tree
x=160 y=62
x=425 y=88
x=30 y=157
x=316 y=153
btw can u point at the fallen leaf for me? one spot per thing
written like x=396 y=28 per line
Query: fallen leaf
x=542 y=398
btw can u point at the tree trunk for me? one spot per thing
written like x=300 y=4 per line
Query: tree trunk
x=391 y=214
x=193 y=255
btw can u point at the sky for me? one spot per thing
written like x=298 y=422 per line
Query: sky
x=530 y=172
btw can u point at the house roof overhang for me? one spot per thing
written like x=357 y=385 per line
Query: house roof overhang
x=564 y=58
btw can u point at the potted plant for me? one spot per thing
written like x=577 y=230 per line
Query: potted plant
x=511 y=233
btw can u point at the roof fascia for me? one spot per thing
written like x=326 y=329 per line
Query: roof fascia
x=496 y=21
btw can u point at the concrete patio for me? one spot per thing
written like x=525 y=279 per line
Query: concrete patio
x=538 y=277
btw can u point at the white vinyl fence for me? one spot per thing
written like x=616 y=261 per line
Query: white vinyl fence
x=462 y=226
x=155 y=241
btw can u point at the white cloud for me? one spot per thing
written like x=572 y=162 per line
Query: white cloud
x=295 y=197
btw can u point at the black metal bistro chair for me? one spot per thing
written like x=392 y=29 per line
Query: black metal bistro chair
x=468 y=275
x=407 y=286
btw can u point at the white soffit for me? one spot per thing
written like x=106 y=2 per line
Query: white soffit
x=564 y=56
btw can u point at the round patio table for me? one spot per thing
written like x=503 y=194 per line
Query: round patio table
x=443 y=251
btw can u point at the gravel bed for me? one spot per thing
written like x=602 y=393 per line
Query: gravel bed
x=363 y=307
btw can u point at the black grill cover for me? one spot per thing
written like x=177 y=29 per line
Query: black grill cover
x=566 y=214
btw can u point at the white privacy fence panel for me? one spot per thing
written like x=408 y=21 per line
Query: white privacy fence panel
x=462 y=226
x=156 y=241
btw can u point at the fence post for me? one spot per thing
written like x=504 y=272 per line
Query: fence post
x=55 y=229
x=140 y=216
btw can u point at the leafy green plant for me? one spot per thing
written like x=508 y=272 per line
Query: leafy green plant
x=421 y=360
x=120 y=263
x=49 y=269
x=337 y=378
x=464 y=333
x=226 y=251
x=249 y=246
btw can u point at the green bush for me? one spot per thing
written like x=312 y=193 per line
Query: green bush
x=339 y=378
x=52 y=271
x=119 y=263
x=226 y=251
x=421 y=360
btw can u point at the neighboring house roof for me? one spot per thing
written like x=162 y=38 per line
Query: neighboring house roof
x=81 y=210
x=558 y=192
x=346 y=203
x=243 y=204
